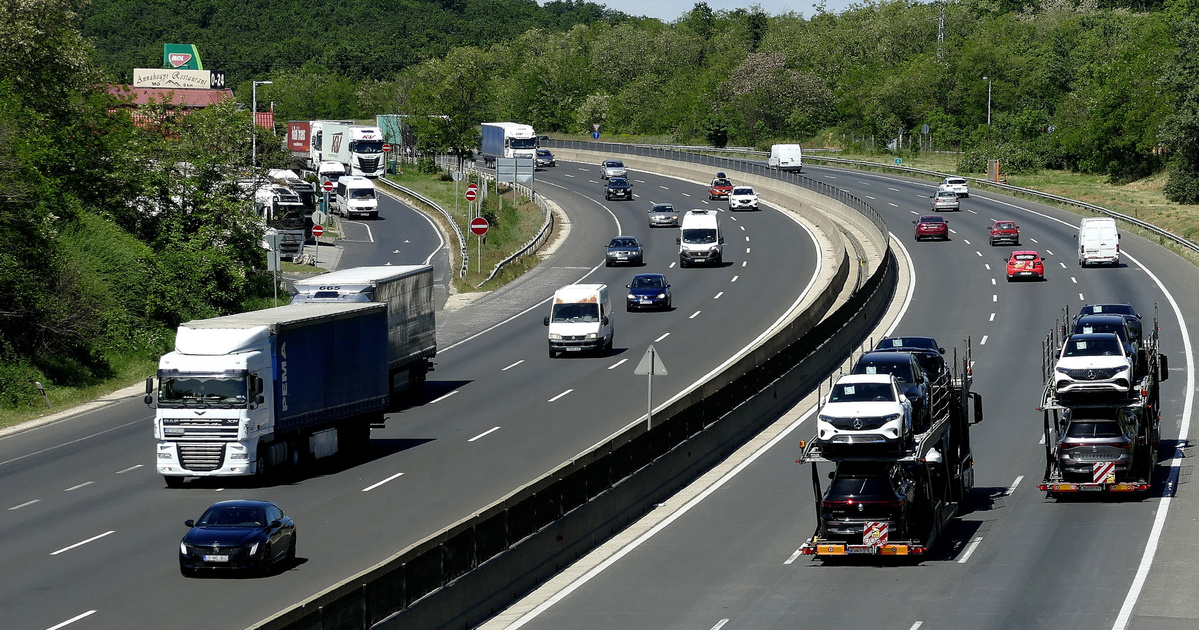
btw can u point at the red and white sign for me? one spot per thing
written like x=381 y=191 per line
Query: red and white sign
x=327 y=186
x=478 y=226
x=472 y=193
x=318 y=230
x=875 y=534
x=179 y=59
x=1103 y=472
x=387 y=148
x=297 y=136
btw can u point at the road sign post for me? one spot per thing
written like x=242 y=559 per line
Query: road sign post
x=479 y=227
x=651 y=364
x=317 y=232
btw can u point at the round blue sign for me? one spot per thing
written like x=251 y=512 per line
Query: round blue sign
x=595 y=135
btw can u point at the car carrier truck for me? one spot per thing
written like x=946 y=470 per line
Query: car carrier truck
x=898 y=502
x=1101 y=441
x=248 y=393
x=407 y=290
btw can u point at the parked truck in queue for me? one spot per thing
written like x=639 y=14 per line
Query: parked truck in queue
x=1102 y=438
x=896 y=497
x=358 y=148
x=245 y=394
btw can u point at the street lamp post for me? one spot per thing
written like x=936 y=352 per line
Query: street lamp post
x=254 y=121
x=988 y=99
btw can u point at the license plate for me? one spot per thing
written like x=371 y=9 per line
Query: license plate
x=647 y=301
x=212 y=558
x=863 y=550
x=573 y=349
x=1092 y=488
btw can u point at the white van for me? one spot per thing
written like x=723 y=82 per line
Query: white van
x=786 y=157
x=700 y=239
x=580 y=319
x=1098 y=241
x=355 y=196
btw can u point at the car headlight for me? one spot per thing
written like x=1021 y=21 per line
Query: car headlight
x=254 y=549
x=555 y=336
x=632 y=297
x=824 y=418
x=183 y=548
x=591 y=335
x=1063 y=370
x=661 y=296
x=892 y=418
x=714 y=248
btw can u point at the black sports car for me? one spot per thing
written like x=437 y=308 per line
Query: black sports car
x=253 y=535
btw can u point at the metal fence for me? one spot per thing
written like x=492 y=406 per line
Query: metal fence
x=465 y=257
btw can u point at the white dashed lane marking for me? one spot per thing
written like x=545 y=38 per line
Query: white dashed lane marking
x=484 y=434
x=664 y=335
x=617 y=364
x=561 y=395
x=82 y=543
x=376 y=485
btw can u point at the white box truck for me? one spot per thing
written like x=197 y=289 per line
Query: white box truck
x=354 y=196
x=580 y=319
x=786 y=157
x=1098 y=242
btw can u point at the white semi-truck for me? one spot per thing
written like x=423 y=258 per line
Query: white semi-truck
x=357 y=147
x=507 y=140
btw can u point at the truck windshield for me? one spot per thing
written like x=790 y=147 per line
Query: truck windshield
x=200 y=391
x=576 y=312
x=367 y=146
x=362 y=193
x=522 y=143
x=698 y=236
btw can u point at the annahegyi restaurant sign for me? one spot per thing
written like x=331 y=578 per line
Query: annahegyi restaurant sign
x=172 y=78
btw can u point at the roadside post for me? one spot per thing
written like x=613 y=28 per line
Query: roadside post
x=651 y=364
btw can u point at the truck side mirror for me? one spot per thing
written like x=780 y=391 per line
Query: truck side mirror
x=978 y=407
x=677 y=240
x=1165 y=368
x=722 y=240
x=547 y=320
x=605 y=320
x=149 y=399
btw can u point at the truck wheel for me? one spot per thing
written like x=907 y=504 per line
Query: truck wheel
x=173 y=481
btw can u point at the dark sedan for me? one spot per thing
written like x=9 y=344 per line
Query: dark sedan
x=1126 y=311
x=867 y=492
x=648 y=290
x=618 y=188
x=249 y=535
x=927 y=351
x=624 y=250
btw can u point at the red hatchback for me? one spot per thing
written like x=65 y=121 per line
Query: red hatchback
x=1004 y=232
x=1025 y=264
x=721 y=187
x=932 y=226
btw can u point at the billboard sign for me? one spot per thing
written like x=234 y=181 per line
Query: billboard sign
x=171 y=78
x=297 y=136
x=181 y=57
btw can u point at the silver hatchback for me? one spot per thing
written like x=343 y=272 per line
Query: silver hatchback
x=663 y=215
x=946 y=200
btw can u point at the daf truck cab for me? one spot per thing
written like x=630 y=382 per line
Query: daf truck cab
x=580 y=320
x=700 y=239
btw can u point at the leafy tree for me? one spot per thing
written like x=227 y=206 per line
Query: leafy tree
x=1180 y=130
x=449 y=100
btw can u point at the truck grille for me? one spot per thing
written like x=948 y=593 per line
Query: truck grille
x=199 y=429
x=368 y=165
x=201 y=457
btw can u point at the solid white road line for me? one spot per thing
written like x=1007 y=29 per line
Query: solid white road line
x=134 y=467
x=25 y=504
x=84 y=484
x=513 y=365
x=619 y=363
x=376 y=485
x=82 y=543
x=1012 y=488
x=561 y=395
x=970 y=550
x=664 y=335
x=437 y=400
x=693 y=315
x=794 y=556
x=485 y=433
x=72 y=620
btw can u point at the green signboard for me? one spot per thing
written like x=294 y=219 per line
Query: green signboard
x=181 y=57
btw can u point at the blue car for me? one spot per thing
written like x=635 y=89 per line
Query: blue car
x=248 y=535
x=648 y=290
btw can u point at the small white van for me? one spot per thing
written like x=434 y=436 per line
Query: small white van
x=580 y=319
x=355 y=196
x=700 y=239
x=1098 y=241
x=786 y=157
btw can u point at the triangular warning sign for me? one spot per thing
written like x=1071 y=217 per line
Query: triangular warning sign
x=651 y=363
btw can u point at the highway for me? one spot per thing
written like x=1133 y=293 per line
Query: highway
x=91 y=533
x=1018 y=561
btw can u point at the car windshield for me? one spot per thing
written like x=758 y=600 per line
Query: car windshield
x=861 y=392
x=623 y=242
x=662 y=209
x=362 y=193
x=721 y=182
x=867 y=487
x=1093 y=429
x=543 y=152
x=1092 y=347
x=232 y=516
x=1116 y=309
x=1100 y=327
x=699 y=236
x=576 y=312
x=743 y=191
x=1005 y=226
x=947 y=194
x=648 y=282
x=614 y=164
x=901 y=371
x=909 y=342
x=932 y=219
x=617 y=182
x=1024 y=256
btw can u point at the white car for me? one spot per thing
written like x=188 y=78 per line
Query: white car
x=957 y=185
x=743 y=198
x=865 y=409
x=612 y=168
x=1092 y=363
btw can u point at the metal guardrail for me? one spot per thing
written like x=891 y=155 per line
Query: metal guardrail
x=1090 y=207
x=449 y=217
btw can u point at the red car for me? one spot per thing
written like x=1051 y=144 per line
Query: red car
x=721 y=187
x=1004 y=232
x=1025 y=264
x=932 y=226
